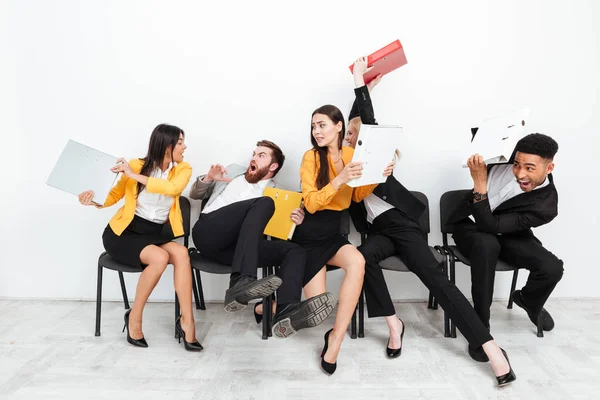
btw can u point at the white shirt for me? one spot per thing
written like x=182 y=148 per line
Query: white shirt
x=375 y=207
x=502 y=185
x=239 y=189
x=155 y=207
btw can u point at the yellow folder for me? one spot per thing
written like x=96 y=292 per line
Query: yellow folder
x=281 y=225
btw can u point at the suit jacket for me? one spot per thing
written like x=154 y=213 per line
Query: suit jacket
x=519 y=214
x=391 y=190
x=201 y=190
x=178 y=178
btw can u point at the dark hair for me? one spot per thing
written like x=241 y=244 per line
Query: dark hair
x=163 y=137
x=539 y=145
x=336 y=116
x=277 y=156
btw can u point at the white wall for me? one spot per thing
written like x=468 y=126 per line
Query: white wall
x=230 y=73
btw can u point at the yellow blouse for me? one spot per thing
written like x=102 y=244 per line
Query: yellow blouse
x=328 y=198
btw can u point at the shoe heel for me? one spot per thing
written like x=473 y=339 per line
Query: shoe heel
x=234 y=306
x=283 y=329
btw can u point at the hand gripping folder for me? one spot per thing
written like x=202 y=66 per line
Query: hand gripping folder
x=281 y=225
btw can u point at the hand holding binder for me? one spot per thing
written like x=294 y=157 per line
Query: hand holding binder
x=281 y=224
x=384 y=60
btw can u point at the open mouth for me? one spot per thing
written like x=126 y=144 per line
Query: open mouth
x=525 y=184
x=253 y=168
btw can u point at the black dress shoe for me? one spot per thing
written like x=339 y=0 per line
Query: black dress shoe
x=478 y=354
x=248 y=288
x=508 y=377
x=290 y=318
x=547 y=321
x=327 y=367
x=136 y=342
x=393 y=353
x=189 y=346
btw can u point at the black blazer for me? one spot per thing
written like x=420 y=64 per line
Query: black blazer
x=519 y=214
x=391 y=190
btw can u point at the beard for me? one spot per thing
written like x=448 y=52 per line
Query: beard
x=255 y=175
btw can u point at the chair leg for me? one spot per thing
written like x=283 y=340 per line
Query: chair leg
x=98 y=300
x=361 y=315
x=540 y=324
x=177 y=312
x=513 y=286
x=271 y=271
x=200 y=291
x=267 y=310
x=266 y=313
x=195 y=291
x=453 y=280
x=353 y=325
x=124 y=291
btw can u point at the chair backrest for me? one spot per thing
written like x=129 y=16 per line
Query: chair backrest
x=448 y=203
x=345 y=223
x=186 y=211
x=424 y=219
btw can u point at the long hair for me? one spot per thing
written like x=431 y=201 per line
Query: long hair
x=163 y=137
x=336 y=116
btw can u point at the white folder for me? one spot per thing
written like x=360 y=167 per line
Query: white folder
x=80 y=168
x=497 y=137
x=375 y=147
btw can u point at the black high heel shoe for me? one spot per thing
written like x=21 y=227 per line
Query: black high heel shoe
x=508 y=377
x=393 y=353
x=189 y=346
x=136 y=342
x=258 y=317
x=327 y=367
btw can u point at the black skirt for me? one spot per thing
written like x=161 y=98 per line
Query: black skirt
x=319 y=234
x=139 y=233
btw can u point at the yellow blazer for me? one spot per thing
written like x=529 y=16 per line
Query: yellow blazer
x=178 y=178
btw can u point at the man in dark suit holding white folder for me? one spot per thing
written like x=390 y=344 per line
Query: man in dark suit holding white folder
x=507 y=201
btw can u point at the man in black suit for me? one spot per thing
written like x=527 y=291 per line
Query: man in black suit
x=507 y=201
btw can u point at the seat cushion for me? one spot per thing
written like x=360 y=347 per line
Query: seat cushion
x=106 y=261
x=394 y=263
x=500 y=266
x=206 y=265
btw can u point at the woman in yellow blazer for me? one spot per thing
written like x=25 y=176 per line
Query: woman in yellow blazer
x=151 y=187
x=326 y=169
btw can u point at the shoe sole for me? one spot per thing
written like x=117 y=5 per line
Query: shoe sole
x=261 y=288
x=312 y=313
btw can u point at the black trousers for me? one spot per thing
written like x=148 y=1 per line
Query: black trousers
x=393 y=233
x=233 y=235
x=521 y=249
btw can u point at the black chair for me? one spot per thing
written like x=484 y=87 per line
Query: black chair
x=203 y=264
x=106 y=261
x=448 y=202
x=395 y=263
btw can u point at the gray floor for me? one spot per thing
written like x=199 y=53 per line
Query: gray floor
x=48 y=351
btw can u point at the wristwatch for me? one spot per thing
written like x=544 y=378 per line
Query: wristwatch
x=478 y=196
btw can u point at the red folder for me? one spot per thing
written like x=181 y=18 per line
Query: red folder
x=384 y=60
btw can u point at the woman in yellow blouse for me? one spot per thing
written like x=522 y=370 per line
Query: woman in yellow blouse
x=151 y=187
x=326 y=169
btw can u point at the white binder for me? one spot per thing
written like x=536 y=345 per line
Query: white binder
x=497 y=137
x=375 y=147
x=80 y=168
